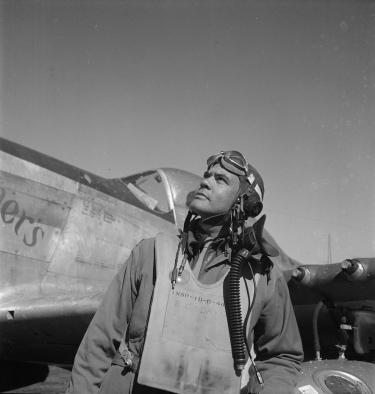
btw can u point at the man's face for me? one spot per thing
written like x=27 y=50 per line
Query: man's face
x=217 y=192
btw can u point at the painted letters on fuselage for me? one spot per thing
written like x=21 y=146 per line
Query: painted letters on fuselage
x=13 y=214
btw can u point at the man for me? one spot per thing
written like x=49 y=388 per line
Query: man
x=191 y=316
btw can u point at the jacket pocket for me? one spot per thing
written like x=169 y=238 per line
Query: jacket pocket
x=117 y=380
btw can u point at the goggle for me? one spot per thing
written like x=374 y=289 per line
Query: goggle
x=235 y=163
x=231 y=160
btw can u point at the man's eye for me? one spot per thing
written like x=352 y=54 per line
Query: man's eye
x=221 y=179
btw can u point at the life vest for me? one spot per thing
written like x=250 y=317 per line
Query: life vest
x=187 y=347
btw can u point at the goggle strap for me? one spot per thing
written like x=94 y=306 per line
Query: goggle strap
x=255 y=187
x=251 y=178
x=258 y=191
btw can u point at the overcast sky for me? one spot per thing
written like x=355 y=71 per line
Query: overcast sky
x=118 y=87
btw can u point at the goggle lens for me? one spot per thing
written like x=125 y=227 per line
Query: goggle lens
x=233 y=161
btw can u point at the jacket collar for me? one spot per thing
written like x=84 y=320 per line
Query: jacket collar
x=201 y=231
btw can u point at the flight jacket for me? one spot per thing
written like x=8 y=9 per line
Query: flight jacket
x=122 y=316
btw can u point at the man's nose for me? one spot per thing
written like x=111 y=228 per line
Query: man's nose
x=205 y=183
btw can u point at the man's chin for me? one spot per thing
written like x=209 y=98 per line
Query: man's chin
x=198 y=208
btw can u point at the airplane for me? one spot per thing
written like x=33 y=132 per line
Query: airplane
x=65 y=232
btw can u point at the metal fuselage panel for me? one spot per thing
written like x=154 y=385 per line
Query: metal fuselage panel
x=61 y=242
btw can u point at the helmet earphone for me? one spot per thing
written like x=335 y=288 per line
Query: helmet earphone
x=251 y=204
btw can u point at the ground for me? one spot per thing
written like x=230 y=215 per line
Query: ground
x=56 y=383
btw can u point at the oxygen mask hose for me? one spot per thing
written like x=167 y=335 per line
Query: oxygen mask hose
x=234 y=310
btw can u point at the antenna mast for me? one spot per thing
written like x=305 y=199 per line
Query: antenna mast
x=329 y=257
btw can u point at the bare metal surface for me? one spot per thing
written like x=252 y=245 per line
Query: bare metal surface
x=61 y=242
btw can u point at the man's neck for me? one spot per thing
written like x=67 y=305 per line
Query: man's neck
x=211 y=226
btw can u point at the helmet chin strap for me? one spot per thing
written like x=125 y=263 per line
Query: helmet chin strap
x=214 y=219
x=237 y=222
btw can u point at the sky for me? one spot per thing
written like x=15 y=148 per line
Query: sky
x=119 y=87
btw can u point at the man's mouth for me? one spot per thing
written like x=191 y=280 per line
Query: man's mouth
x=200 y=194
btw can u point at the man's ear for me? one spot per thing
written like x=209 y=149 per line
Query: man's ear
x=252 y=207
x=256 y=209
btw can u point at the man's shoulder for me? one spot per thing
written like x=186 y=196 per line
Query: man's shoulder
x=149 y=243
x=149 y=250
